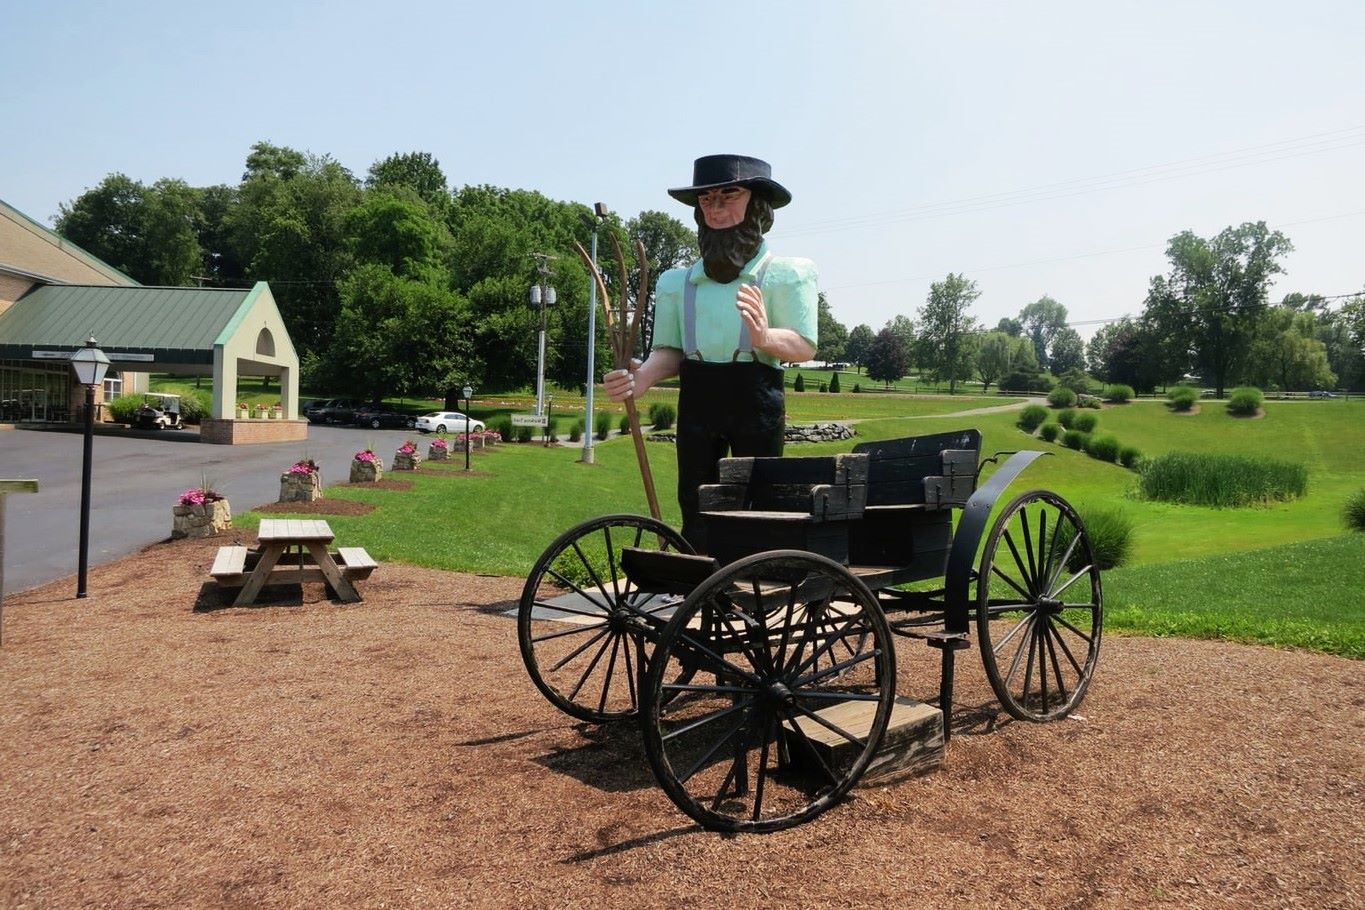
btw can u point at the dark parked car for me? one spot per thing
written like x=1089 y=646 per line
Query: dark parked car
x=333 y=410
x=378 y=417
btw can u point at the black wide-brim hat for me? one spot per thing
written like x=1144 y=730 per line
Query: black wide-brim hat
x=714 y=172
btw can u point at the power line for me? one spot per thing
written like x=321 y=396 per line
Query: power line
x=1317 y=143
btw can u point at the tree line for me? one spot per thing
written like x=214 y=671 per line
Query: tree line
x=394 y=285
x=399 y=285
x=1210 y=316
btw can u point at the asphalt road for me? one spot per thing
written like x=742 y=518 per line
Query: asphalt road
x=136 y=479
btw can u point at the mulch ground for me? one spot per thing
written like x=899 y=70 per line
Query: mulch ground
x=159 y=748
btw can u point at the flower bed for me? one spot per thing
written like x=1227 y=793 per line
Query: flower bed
x=200 y=512
x=407 y=458
x=366 y=467
x=302 y=482
x=439 y=450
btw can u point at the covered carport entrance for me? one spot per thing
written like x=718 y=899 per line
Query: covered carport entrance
x=228 y=333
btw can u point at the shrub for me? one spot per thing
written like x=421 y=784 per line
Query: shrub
x=576 y=431
x=1074 y=439
x=1061 y=397
x=551 y=430
x=834 y=383
x=1088 y=401
x=1118 y=393
x=1128 y=456
x=662 y=415
x=1025 y=381
x=800 y=384
x=1111 y=537
x=1354 y=511
x=1245 y=401
x=122 y=407
x=1105 y=448
x=1182 y=397
x=624 y=424
x=1031 y=417
x=857 y=387
x=1221 y=481
x=522 y=434
x=1050 y=431
x=822 y=387
x=602 y=424
x=503 y=427
x=1065 y=417
x=1075 y=380
x=1084 y=422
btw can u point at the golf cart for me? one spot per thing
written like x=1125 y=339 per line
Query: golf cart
x=158 y=412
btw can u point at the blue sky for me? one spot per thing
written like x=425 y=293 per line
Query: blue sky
x=1039 y=148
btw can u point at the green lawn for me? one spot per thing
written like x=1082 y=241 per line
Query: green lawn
x=1286 y=574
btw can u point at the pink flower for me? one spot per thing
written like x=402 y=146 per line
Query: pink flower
x=438 y=444
x=365 y=455
x=199 y=496
x=407 y=448
x=307 y=466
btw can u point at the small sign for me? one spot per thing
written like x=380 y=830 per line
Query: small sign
x=530 y=420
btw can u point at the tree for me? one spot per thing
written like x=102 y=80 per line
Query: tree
x=1286 y=355
x=400 y=234
x=1012 y=327
x=1067 y=351
x=1342 y=333
x=946 y=329
x=148 y=232
x=669 y=244
x=1041 y=321
x=859 y=345
x=886 y=357
x=1215 y=294
x=833 y=334
x=418 y=172
x=401 y=336
x=998 y=354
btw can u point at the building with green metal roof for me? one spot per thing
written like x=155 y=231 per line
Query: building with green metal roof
x=54 y=296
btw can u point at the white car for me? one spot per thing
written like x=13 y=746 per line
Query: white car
x=448 y=422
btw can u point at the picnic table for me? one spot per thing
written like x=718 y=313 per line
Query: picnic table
x=292 y=551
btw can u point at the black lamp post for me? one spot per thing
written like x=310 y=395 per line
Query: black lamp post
x=89 y=364
x=468 y=423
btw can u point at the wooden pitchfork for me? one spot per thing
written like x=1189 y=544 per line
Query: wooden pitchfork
x=623 y=337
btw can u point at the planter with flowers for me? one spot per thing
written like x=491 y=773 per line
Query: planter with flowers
x=302 y=482
x=366 y=467
x=200 y=512
x=259 y=412
x=276 y=412
x=406 y=458
x=439 y=450
x=243 y=412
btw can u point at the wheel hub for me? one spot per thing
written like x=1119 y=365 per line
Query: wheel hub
x=778 y=693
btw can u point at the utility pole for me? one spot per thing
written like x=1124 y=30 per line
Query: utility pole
x=542 y=295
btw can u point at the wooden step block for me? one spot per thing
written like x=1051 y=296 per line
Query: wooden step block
x=913 y=743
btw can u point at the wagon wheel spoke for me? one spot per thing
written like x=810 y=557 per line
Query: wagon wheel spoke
x=1062 y=638
x=777 y=739
x=582 y=625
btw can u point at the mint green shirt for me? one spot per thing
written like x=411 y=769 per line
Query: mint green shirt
x=790 y=295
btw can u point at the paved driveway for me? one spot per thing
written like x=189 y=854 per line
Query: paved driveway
x=135 y=482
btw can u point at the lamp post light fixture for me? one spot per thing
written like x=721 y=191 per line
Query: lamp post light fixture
x=542 y=295
x=600 y=212
x=89 y=364
x=468 y=423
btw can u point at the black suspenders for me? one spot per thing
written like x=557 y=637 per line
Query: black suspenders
x=746 y=344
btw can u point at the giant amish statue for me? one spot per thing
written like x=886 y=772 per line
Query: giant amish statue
x=725 y=325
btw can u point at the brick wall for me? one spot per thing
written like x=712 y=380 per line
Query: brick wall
x=247 y=432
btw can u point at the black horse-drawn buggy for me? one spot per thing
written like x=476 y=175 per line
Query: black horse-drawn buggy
x=763 y=673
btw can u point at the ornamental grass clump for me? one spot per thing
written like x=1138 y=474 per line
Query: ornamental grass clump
x=1104 y=448
x=602 y=424
x=1061 y=397
x=1111 y=538
x=1221 y=481
x=1084 y=422
x=1118 y=393
x=1074 y=439
x=1182 y=397
x=1049 y=432
x=1245 y=401
x=1129 y=456
x=1031 y=417
x=1065 y=417
x=1354 y=510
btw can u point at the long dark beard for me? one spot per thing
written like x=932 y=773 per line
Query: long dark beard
x=725 y=250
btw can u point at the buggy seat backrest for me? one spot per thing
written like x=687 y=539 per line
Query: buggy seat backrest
x=935 y=471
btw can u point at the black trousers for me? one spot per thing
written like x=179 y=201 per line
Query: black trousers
x=735 y=409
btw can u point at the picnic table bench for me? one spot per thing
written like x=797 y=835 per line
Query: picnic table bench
x=292 y=551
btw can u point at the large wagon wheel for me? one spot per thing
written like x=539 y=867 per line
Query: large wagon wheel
x=583 y=627
x=795 y=680
x=1039 y=607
